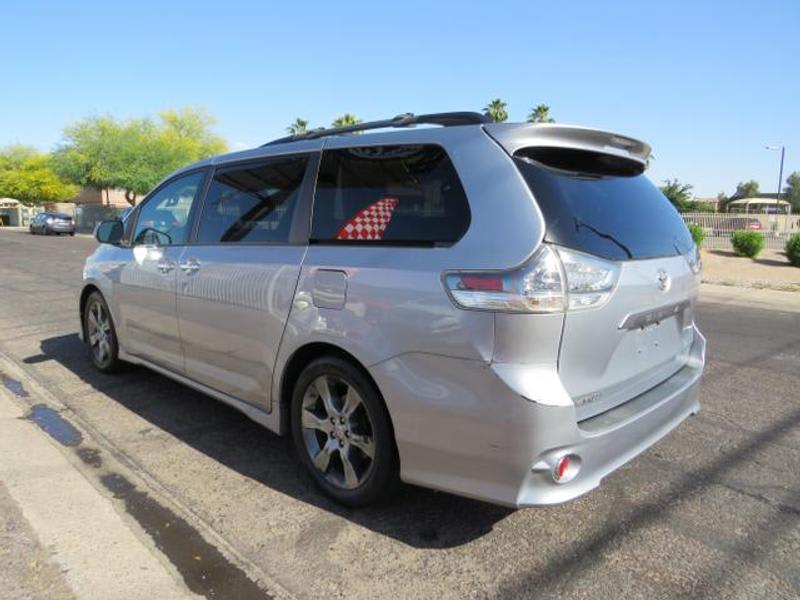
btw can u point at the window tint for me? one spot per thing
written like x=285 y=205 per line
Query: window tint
x=252 y=203
x=389 y=194
x=616 y=217
x=164 y=218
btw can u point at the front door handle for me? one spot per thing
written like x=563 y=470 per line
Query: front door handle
x=190 y=266
x=165 y=266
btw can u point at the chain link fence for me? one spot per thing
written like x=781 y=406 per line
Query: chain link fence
x=718 y=227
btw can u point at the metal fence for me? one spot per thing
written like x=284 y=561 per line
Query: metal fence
x=719 y=226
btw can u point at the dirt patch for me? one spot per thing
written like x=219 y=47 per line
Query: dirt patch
x=771 y=270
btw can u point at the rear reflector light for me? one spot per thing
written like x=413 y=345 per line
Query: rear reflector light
x=485 y=283
x=552 y=281
x=566 y=468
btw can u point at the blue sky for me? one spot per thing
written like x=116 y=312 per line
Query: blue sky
x=707 y=84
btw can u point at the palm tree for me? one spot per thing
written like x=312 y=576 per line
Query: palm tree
x=346 y=120
x=496 y=110
x=299 y=126
x=540 y=114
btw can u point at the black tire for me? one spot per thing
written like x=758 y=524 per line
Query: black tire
x=71 y=234
x=381 y=477
x=104 y=359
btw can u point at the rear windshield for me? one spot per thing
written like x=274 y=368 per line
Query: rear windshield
x=619 y=217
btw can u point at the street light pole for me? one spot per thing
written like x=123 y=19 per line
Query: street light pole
x=780 y=172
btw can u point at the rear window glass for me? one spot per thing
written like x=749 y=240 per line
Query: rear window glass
x=614 y=216
x=403 y=194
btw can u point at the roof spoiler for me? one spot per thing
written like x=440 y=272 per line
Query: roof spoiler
x=514 y=136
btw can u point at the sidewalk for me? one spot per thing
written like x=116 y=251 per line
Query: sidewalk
x=770 y=270
x=63 y=538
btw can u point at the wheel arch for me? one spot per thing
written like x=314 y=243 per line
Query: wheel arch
x=87 y=291
x=305 y=355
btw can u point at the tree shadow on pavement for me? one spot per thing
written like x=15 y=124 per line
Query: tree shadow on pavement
x=769 y=262
x=417 y=517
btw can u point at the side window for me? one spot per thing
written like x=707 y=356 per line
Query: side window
x=389 y=194
x=252 y=203
x=164 y=218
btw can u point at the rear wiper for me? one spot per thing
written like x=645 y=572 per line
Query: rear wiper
x=607 y=236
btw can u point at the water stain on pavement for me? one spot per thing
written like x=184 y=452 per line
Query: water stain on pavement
x=204 y=569
x=54 y=425
x=14 y=386
x=90 y=456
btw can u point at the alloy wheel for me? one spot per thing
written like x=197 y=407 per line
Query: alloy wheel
x=337 y=431
x=98 y=331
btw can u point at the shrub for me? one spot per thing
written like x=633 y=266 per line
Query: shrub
x=747 y=243
x=793 y=249
x=698 y=234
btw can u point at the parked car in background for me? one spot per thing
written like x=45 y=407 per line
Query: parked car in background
x=728 y=225
x=52 y=223
x=499 y=310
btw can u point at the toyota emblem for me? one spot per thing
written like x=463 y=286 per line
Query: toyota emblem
x=664 y=280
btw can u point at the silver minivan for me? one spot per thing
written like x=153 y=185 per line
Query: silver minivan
x=503 y=311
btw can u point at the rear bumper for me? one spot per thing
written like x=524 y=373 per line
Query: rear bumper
x=59 y=228
x=464 y=427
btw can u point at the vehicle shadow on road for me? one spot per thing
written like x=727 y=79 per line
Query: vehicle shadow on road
x=418 y=517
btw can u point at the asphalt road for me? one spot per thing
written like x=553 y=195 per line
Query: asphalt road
x=711 y=511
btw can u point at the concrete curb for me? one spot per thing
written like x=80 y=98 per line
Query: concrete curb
x=137 y=538
x=97 y=551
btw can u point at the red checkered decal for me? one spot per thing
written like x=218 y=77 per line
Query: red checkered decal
x=370 y=223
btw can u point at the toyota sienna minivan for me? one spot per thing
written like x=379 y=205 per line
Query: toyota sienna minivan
x=498 y=310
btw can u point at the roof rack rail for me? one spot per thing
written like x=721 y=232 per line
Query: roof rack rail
x=445 y=119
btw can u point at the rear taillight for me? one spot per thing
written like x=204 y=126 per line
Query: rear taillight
x=695 y=260
x=552 y=281
x=590 y=280
x=537 y=287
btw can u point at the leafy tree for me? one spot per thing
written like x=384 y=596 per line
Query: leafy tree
x=134 y=155
x=346 y=120
x=680 y=194
x=299 y=126
x=746 y=189
x=540 y=114
x=28 y=176
x=12 y=157
x=791 y=193
x=722 y=201
x=496 y=110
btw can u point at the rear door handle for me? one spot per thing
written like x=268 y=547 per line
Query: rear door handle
x=190 y=266
x=165 y=266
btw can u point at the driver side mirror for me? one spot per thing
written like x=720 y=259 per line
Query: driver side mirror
x=109 y=232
